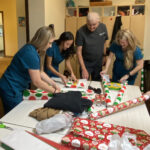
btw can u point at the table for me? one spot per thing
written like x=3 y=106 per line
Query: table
x=136 y=117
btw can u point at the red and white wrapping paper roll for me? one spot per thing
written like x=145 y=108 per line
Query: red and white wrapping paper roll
x=107 y=92
x=120 y=94
x=119 y=107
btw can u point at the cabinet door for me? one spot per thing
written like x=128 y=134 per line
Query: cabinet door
x=137 y=27
x=81 y=21
x=109 y=22
x=125 y=22
x=71 y=25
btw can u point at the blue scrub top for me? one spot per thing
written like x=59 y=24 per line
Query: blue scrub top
x=119 y=69
x=16 y=78
x=57 y=58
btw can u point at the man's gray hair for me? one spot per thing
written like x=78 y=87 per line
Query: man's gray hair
x=93 y=16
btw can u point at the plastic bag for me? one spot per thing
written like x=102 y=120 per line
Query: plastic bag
x=53 y=124
x=117 y=143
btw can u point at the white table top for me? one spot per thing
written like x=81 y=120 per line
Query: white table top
x=136 y=117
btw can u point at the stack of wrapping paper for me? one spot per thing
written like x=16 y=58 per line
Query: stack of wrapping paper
x=88 y=134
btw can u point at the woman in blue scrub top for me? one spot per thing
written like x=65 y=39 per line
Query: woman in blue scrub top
x=24 y=68
x=129 y=58
x=61 y=49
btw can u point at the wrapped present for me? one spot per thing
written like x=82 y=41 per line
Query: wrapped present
x=120 y=107
x=36 y=95
x=88 y=134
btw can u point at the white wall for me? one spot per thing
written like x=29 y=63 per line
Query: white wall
x=21 y=30
x=36 y=15
x=55 y=14
x=45 y=12
x=147 y=32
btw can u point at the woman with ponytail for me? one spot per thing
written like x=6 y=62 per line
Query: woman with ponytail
x=25 y=67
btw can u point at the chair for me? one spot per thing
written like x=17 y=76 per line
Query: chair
x=1 y=108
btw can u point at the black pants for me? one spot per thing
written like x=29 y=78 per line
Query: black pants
x=94 y=72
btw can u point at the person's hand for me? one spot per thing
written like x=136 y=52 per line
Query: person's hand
x=147 y=93
x=124 y=78
x=85 y=74
x=103 y=72
x=57 y=91
x=73 y=77
x=64 y=79
x=57 y=88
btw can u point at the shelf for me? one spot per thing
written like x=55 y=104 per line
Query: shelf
x=107 y=3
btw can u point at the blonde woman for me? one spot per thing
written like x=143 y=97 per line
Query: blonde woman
x=24 y=68
x=129 y=58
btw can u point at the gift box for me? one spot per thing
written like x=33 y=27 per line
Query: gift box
x=88 y=134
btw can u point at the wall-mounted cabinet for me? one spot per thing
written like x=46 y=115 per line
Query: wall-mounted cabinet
x=83 y=11
x=71 y=11
x=131 y=15
x=123 y=10
x=138 y=10
x=99 y=10
x=109 y=11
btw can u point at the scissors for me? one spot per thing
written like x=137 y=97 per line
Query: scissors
x=4 y=126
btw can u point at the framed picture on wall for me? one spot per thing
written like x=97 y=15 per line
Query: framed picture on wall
x=139 y=1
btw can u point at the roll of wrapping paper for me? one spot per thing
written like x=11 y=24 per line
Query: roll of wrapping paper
x=106 y=92
x=120 y=94
x=142 y=80
x=117 y=108
x=37 y=94
x=50 y=142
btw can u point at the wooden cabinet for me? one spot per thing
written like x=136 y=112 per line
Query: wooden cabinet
x=109 y=22
x=132 y=16
x=137 y=27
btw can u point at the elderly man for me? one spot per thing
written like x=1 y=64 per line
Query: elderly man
x=90 y=41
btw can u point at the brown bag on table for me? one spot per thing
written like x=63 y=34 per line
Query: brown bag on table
x=43 y=113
